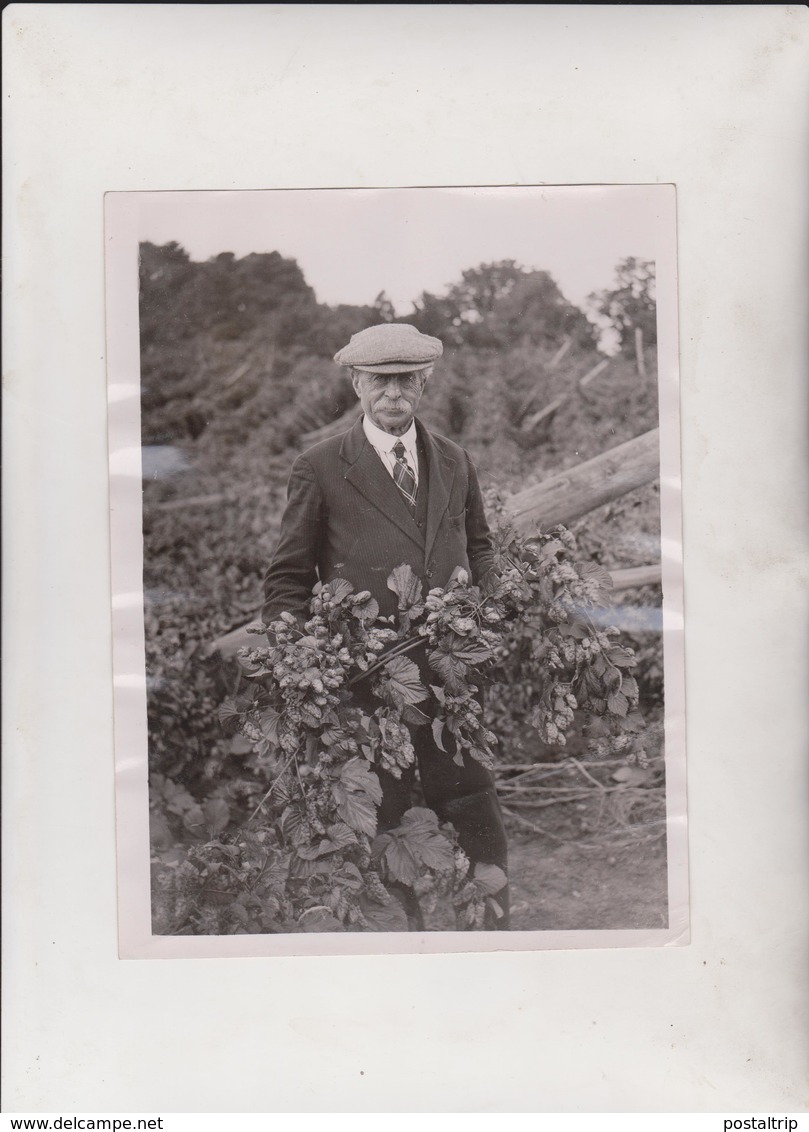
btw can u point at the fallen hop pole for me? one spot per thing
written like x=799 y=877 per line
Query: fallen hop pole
x=635 y=576
x=566 y=497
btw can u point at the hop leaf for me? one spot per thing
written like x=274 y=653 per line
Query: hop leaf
x=398 y=857
x=481 y=755
x=339 y=836
x=339 y=589
x=418 y=842
x=356 y=810
x=390 y=917
x=217 y=815
x=319 y=920
x=490 y=878
x=357 y=793
x=269 y=721
x=597 y=582
x=449 y=668
x=629 y=686
x=355 y=775
x=366 y=610
x=414 y=716
x=473 y=654
x=421 y=833
x=228 y=710
x=617 y=703
x=401 y=678
x=294 y=824
x=406 y=586
x=438 y=732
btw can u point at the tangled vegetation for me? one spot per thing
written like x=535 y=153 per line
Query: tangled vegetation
x=309 y=856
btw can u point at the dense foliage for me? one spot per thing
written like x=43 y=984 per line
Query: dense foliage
x=309 y=856
x=630 y=304
x=236 y=365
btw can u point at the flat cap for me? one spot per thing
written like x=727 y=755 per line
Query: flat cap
x=391 y=347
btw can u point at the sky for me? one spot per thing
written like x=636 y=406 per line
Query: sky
x=353 y=243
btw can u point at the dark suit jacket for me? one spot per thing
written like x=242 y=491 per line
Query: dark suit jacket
x=346 y=518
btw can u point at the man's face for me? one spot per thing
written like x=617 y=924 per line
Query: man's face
x=389 y=400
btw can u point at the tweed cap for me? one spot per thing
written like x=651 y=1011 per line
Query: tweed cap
x=391 y=347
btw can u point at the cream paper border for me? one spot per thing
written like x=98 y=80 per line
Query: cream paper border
x=124 y=230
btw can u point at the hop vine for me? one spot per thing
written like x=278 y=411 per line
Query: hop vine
x=311 y=858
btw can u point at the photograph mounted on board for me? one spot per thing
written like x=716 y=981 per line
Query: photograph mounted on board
x=398 y=660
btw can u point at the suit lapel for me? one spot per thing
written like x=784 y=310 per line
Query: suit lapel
x=442 y=473
x=370 y=477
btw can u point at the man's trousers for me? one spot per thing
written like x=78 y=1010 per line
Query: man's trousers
x=463 y=795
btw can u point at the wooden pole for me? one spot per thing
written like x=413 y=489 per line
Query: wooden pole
x=635 y=576
x=639 y=351
x=566 y=497
x=217 y=497
x=551 y=365
x=342 y=424
x=560 y=353
x=531 y=422
x=593 y=373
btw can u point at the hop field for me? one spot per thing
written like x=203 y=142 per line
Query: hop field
x=236 y=374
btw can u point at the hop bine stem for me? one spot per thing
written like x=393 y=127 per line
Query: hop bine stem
x=397 y=650
x=275 y=782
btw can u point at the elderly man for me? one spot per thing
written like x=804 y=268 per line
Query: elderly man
x=384 y=493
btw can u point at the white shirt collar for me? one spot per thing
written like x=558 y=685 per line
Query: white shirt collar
x=384 y=441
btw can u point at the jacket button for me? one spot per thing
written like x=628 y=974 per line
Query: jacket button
x=428 y=573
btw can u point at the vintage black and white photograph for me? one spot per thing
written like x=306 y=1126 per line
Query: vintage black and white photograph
x=398 y=653
x=584 y=223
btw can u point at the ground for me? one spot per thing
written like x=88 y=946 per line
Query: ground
x=587 y=886
x=567 y=880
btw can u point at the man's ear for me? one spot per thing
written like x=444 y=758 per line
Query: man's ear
x=355 y=381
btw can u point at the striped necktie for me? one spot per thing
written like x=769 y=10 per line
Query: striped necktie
x=403 y=476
